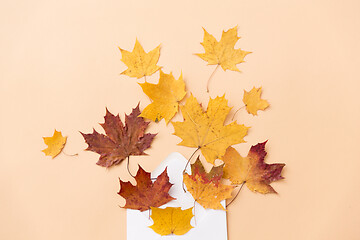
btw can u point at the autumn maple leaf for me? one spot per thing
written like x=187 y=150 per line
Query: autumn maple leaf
x=55 y=144
x=166 y=96
x=214 y=175
x=171 y=220
x=146 y=193
x=206 y=130
x=223 y=53
x=120 y=141
x=251 y=169
x=253 y=101
x=206 y=188
x=139 y=62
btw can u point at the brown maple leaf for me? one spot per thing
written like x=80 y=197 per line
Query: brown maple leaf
x=146 y=193
x=120 y=141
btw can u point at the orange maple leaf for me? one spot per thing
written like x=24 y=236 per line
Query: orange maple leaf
x=205 y=187
x=251 y=169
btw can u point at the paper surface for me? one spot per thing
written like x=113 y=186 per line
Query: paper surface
x=208 y=223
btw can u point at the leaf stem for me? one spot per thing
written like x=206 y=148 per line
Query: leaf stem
x=212 y=74
x=187 y=165
x=237 y=111
x=194 y=212
x=190 y=159
x=128 y=163
x=241 y=186
x=70 y=155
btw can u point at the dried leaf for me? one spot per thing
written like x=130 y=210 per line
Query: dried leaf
x=171 y=220
x=251 y=169
x=206 y=130
x=139 y=62
x=223 y=53
x=55 y=144
x=253 y=102
x=166 y=96
x=215 y=173
x=146 y=193
x=120 y=141
x=206 y=188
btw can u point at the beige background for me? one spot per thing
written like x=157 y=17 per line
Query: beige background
x=59 y=68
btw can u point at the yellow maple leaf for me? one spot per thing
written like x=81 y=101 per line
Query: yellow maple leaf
x=223 y=53
x=55 y=144
x=251 y=169
x=171 y=220
x=139 y=62
x=253 y=102
x=206 y=188
x=166 y=96
x=206 y=130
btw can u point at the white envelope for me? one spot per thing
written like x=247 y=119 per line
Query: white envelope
x=209 y=224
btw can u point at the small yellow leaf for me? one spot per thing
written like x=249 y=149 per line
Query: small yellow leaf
x=166 y=96
x=171 y=220
x=223 y=53
x=206 y=130
x=139 y=62
x=253 y=102
x=55 y=144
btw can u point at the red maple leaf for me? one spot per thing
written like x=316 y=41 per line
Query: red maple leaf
x=120 y=141
x=146 y=193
